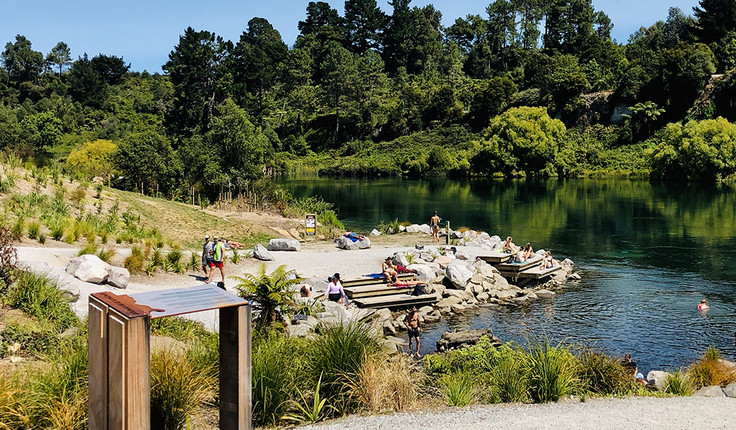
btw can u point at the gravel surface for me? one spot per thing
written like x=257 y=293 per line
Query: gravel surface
x=614 y=414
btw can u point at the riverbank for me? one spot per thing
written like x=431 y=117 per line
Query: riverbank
x=601 y=413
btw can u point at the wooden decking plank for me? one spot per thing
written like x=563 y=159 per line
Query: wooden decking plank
x=395 y=301
x=520 y=267
x=359 y=282
x=375 y=290
x=532 y=273
x=496 y=257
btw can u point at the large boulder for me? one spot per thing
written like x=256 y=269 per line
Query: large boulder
x=119 y=276
x=730 y=389
x=88 y=268
x=465 y=338
x=260 y=252
x=414 y=228
x=657 y=378
x=375 y=232
x=713 y=391
x=284 y=245
x=350 y=245
x=424 y=272
x=459 y=273
x=425 y=228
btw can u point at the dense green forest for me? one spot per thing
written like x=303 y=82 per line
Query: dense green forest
x=526 y=87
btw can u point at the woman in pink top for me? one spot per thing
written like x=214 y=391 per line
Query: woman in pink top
x=334 y=290
x=703 y=305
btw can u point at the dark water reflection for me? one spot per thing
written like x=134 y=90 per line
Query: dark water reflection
x=648 y=254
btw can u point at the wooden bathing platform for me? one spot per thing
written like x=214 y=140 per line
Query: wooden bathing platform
x=377 y=293
x=528 y=269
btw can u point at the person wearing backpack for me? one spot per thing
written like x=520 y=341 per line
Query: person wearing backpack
x=207 y=250
x=218 y=260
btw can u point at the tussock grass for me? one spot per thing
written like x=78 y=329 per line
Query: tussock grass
x=679 y=383
x=347 y=344
x=457 y=389
x=551 y=371
x=177 y=389
x=601 y=374
x=711 y=370
x=385 y=384
x=38 y=296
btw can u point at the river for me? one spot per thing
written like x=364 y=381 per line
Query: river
x=647 y=254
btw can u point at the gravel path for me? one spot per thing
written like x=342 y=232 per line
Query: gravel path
x=614 y=414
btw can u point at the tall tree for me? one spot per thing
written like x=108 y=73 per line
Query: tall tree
x=86 y=86
x=111 y=69
x=258 y=60
x=365 y=22
x=340 y=78
x=59 y=56
x=324 y=22
x=715 y=18
x=24 y=67
x=197 y=70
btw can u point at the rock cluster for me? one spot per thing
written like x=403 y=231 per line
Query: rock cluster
x=90 y=268
x=465 y=338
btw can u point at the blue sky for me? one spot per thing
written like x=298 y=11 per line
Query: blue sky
x=144 y=32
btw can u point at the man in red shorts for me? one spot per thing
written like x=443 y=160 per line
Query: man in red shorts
x=218 y=260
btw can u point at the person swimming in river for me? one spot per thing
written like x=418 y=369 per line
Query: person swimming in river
x=703 y=305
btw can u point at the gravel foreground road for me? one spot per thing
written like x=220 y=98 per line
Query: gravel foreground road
x=628 y=413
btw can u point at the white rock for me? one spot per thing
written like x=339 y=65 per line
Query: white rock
x=425 y=228
x=88 y=268
x=346 y=243
x=459 y=273
x=545 y=294
x=448 y=302
x=713 y=391
x=284 y=245
x=657 y=378
x=119 y=277
x=414 y=228
x=375 y=232
x=730 y=389
x=260 y=252
x=424 y=272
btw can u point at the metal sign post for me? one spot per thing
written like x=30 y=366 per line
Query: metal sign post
x=119 y=354
x=311 y=225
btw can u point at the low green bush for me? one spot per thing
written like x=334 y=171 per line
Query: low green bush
x=38 y=296
x=33 y=229
x=601 y=374
x=679 y=383
x=457 y=388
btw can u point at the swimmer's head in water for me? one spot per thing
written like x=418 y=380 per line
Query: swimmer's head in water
x=703 y=301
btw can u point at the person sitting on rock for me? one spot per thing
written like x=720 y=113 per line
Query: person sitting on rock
x=389 y=271
x=633 y=369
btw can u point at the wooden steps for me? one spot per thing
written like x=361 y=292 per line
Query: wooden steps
x=360 y=282
x=396 y=301
x=519 y=267
x=376 y=290
x=534 y=272
x=496 y=257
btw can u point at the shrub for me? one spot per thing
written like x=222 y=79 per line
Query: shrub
x=18 y=228
x=57 y=231
x=275 y=368
x=176 y=389
x=32 y=338
x=150 y=268
x=38 y=296
x=550 y=371
x=348 y=344
x=678 y=383
x=235 y=257
x=385 y=384
x=710 y=370
x=106 y=254
x=194 y=262
x=601 y=374
x=509 y=379
x=457 y=388
x=33 y=228
x=134 y=262
x=89 y=248
x=41 y=238
x=174 y=256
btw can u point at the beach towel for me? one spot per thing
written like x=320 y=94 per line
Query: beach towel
x=374 y=275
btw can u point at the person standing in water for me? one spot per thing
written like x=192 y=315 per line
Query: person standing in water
x=414 y=327
x=434 y=223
